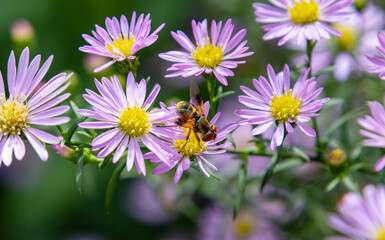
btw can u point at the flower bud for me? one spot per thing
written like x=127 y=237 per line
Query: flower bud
x=336 y=157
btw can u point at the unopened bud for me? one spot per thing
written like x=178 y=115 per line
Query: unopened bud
x=336 y=157
x=22 y=31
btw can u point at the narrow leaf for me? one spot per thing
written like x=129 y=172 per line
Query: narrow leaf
x=342 y=120
x=270 y=170
x=79 y=171
x=300 y=153
x=241 y=185
x=332 y=184
x=75 y=109
x=287 y=164
x=112 y=184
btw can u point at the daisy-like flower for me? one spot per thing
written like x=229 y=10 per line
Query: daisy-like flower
x=301 y=19
x=191 y=148
x=25 y=105
x=374 y=130
x=379 y=61
x=211 y=54
x=276 y=102
x=127 y=116
x=122 y=40
x=361 y=217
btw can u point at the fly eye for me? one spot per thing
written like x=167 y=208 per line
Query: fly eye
x=208 y=136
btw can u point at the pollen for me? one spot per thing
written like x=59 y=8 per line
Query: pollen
x=191 y=146
x=285 y=107
x=13 y=115
x=121 y=45
x=208 y=56
x=349 y=39
x=134 y=122
x=304 y=12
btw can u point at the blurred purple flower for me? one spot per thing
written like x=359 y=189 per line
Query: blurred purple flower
x=127 y=115
x=361 y=217
x=213 y=54
x=378 y=61
x=375 y=130
x=192 y=148
x=19 y=111
x=216 y=223
x=301 y=19
x=121 y=40
x=275 y=101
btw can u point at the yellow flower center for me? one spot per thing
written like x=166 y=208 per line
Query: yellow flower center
x=304 y=12
x=208 y=56
x=13 y=115
x=244 y=225
x=380 y=235
x=134 y=122
x=191 y=146
x=285 y=107
x=349 y=39
x=124 y=45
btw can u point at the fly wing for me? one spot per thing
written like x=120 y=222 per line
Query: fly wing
x=196 y=98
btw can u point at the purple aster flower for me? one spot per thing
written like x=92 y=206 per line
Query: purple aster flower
x=192 y=148
x=276 y=102
x=127 y=116
x=25 y=104
x=379 y=61
x=212 y=54
x=361 y=217
x=122 y=40
x=374 y=129
x=301 y=19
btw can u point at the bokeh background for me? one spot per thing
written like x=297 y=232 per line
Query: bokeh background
x=39 y=200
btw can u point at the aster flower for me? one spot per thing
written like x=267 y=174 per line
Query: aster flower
x=191 y=148
x=361 y=217
x=122 y=40
x=379 y=61
x=276 y=102
x=25 y=105
x=126 y=115
x=212 y=54
x=374 y=129
x=301 y=19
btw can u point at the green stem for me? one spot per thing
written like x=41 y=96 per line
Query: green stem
x=211 y=87
x=73 y=128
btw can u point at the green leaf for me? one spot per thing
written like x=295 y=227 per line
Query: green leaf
x=112 y=184
x=350 y=184
x=231 y=140
x=73 y=128
x=287 y=164
x=241 y=186
x=325 y=70
x=342 y=120
x=270 y=170
x=75 y=109
x=333 y=102
x=300 y=153
x=79 y=171
x=225 y=94
x=106 y=160
x=332 y=184
x=148 y=79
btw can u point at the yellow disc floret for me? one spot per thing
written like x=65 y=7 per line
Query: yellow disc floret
x=191 y=146
x=208 y=56
x=349 y=39
x=13 y=115
x=304 y=12
x=244 y=225
x=285 y=107
x=380 y=235
x=124 y=45
x=134 y=122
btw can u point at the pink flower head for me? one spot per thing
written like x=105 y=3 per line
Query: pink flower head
x=378 y=61
x=276 y=102
x=25 y=104
x=192 y=148
x=129 y=121
x=301 y=19
x=361 y=217
x=121 y=40
x=374 y=130
x=213 y=53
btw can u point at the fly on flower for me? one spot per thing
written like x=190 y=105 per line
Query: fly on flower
x=192 y=116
